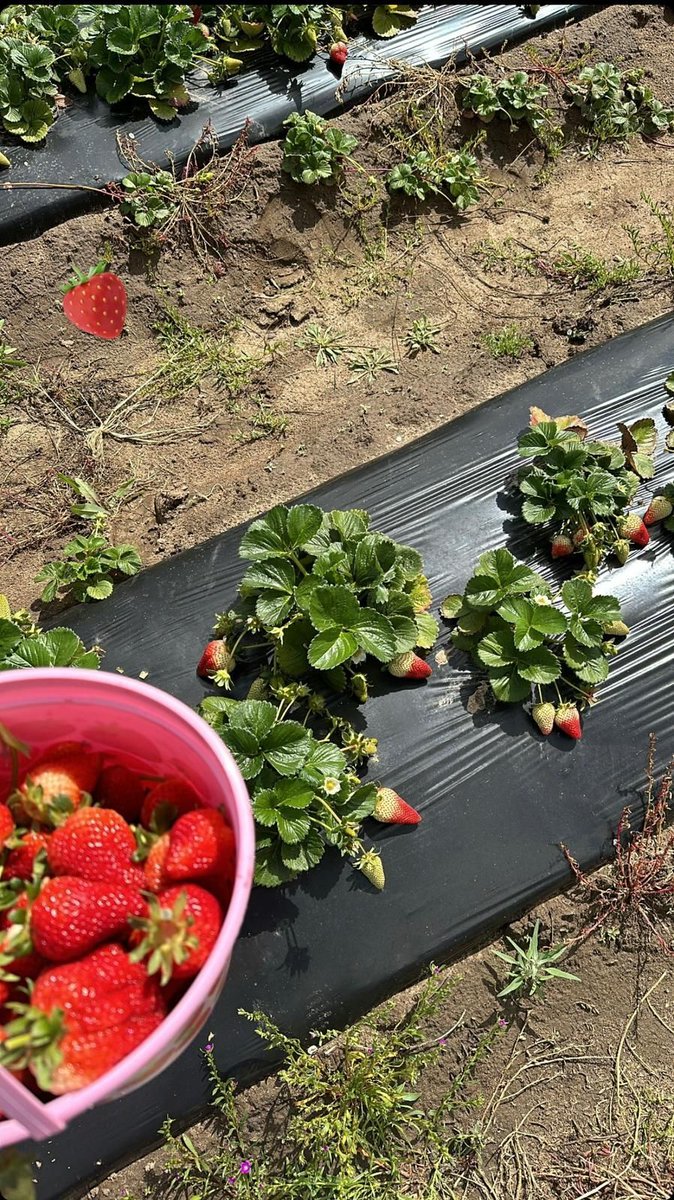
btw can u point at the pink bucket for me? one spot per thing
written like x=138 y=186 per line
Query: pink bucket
x=123 y=716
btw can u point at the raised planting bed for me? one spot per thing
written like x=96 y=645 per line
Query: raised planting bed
x=496 y=797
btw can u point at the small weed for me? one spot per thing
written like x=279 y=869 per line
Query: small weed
x=656 y=253
x=314 y=151
x=90 y=564
x=530 y=966
x=348 y=1120
x=421 y=336
x=639 y=884
x=328 y=344
x=8 y=358
x=511 y=342
x=264 y=423
x=583 y=268
x=193 y=353
x=366 y=365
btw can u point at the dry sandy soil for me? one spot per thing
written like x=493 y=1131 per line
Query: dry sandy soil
x=560 y=1130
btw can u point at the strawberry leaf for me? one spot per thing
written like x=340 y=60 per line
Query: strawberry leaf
x=330 y=648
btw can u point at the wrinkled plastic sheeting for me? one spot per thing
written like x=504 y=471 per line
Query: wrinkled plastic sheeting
x=81 y=146
x=497 y=798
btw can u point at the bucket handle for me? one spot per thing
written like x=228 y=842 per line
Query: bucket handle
x=20 y=1104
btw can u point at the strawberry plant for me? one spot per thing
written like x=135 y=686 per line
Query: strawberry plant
x=454 y=175
x=323 y=594
x=583 y=488
x=23 y=644
x=313 y=150
x=516 y=98
x=304 y=791
x=90 y=563
x=616 y=104
x=145 y=51
x=28 y=85
x=533 y=642
x=149 y=199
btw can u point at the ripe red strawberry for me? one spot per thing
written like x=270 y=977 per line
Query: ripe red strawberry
x=70 y=915
x=179 y=933
x=166 y=802
x=61 y=781
x=338 y=53
x=6 y=823
x=544 y=716
x=391 y=809
x=121 y=789
x=84 y=1017
x=196 y=14
x=632 y=527
x=200 y=843
x=409 y=666
x=561 y=546
x=567 y=718
x=154 y=866
x=95 y=301
x=658 y=510
x=217 y=662
x=95 y=843
x=20 y=862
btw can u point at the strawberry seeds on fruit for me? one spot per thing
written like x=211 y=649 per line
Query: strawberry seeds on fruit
x=95 y=302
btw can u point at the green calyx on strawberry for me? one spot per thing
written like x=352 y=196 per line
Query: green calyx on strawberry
x=217 y=663
x=95 y=301
x=32 y=1039
x=176 y=937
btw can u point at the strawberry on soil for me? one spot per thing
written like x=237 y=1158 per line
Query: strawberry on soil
x=95 y=302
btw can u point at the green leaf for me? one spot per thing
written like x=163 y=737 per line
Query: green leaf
x=352 y=523
x=587 y=662
x=333 y=607
x=286 y=747
x=258 y=717
x=427 y=630
x=161 y=109
x=10 y=636
x=330 y=648
x=304 y=855
x=64 y=647
x=291 y=655
x=406 y=634
x=100 y=590
x=292 y=826
x=375 y=634
x=273 y=608
x=270 y=869
x=275 y=575
x=497 y=649
x=267 y=537
x=499 y=575
x=539 y=665
x=577 y=595
x=245 y=749
x=451 y=606
x=507 y=685
x=325 y=759
x=121 y=41
x=304 y=522
x=359 y=805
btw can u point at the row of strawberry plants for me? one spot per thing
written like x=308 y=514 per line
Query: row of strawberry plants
x=552 y=648
x=146 y=51
x=324 y=596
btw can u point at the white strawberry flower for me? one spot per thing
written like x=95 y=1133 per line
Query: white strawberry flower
x=331 y=786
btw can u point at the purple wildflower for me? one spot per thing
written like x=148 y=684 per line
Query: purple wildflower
x=245 y=1167
x=502 y=1023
